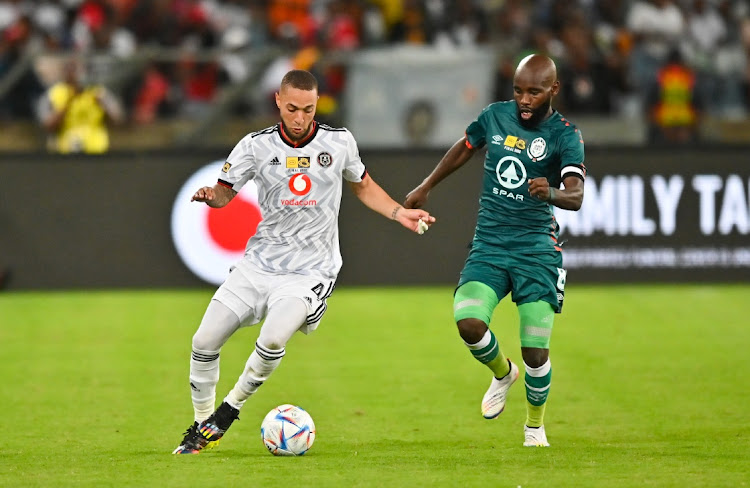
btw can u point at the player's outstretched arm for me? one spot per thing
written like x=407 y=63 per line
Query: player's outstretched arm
x=374 y=197
x=456 y=157
x=216 y=196
x=571 y=198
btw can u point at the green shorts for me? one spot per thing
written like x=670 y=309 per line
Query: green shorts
x=528 y=278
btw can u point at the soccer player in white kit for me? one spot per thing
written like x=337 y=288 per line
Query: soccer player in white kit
x=290 y=265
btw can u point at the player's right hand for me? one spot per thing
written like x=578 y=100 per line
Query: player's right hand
x=411 y=218
x=416 y=198
x=204 y=194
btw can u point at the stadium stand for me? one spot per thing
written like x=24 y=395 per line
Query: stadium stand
x=182 y=68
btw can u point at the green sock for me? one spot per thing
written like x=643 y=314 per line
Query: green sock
x=538 y=381
x=499 y=366
x=487 y=351
x=535 y=414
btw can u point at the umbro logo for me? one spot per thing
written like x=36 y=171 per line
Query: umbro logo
x=274 y=161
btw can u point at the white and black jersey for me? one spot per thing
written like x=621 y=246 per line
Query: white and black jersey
x=299 y=192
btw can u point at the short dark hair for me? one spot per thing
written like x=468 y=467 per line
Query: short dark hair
x=300 y=79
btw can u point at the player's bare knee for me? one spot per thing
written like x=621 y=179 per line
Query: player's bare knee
x=471 y=330
x=534 y=357
x=473 y=304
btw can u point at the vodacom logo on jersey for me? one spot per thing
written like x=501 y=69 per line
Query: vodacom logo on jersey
x=300 y=185
x=210 y=240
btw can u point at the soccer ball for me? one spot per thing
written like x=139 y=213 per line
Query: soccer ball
x=288 y=430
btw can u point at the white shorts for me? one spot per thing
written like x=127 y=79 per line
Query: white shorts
x=250 y=291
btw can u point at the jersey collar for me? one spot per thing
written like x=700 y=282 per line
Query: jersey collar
x=303 y=142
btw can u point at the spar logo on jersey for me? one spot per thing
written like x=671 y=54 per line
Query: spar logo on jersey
x=537 y=150
x=210 y=240
x=511 y=173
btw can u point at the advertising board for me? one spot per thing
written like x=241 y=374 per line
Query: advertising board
x=126 y=220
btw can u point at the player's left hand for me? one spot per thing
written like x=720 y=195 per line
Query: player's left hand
x=410 y=217
x=539 y=188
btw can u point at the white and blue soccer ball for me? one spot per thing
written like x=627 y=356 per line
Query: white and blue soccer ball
x=288 y=430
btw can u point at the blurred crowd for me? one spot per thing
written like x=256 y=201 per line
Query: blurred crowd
x=615 y=57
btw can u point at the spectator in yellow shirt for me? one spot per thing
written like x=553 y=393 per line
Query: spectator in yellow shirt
x=77 y=115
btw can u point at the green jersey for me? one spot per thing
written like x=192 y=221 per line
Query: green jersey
x=509 y=218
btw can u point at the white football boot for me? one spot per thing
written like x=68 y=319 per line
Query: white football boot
x=534 y=437
x=493 y=402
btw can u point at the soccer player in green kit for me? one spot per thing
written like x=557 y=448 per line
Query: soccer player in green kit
x=531 y=150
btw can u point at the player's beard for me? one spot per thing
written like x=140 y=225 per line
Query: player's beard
x=537 y=115
x=296 y=138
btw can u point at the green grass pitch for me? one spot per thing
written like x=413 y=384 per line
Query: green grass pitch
x=650 y=388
